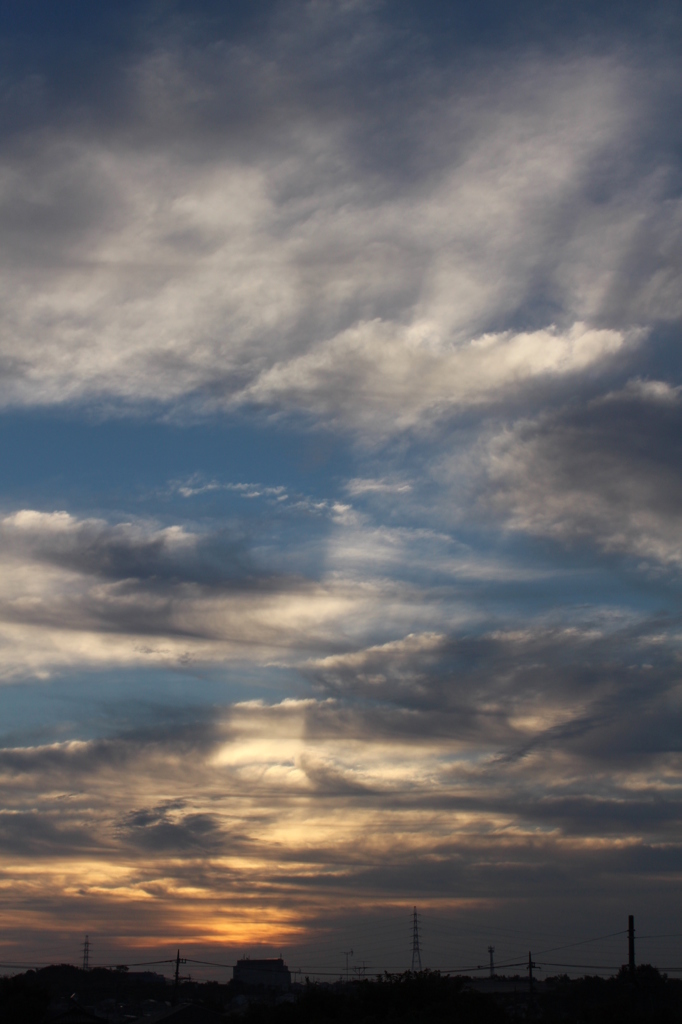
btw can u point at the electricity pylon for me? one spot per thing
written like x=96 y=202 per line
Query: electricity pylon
x=416 y=951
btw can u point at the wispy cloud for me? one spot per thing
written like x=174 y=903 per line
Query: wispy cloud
x=359 y=486
x=402 y=317
x=287 y=274
x=197 y=486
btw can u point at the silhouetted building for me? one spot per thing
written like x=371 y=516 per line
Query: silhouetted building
x=272 y=974
x=74 y=1013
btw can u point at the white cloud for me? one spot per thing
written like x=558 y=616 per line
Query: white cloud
x=32 y=528
x=195 y=486
x=292 y=276
x=658 y=391
x=359 y=486
x=396 y=376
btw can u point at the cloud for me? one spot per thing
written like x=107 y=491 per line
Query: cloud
x=359 y=486
x=470 y=269
x=291 y=267
x=173 y=829
x=300 y=806
x=195 y=486
x=404 y=374
x=602 y=472
x=95 y=548
x=553 y=686
x=77 y=592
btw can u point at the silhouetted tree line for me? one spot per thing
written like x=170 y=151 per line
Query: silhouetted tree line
x=27 y=998
x=427 y=997
x=424 y=997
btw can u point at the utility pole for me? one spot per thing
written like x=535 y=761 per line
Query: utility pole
x=631 y=945
x=86 y=953
x=416 y=951
x=176 y=987
x=491 y=950
x=531 y=965
x=347 y=955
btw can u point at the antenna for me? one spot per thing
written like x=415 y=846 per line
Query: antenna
x=86 y=953
x=416 y=951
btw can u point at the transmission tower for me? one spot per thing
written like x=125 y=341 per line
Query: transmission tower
x=491 y=951
x=86 y=953
x=416 y=951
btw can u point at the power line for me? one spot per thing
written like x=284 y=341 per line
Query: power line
x=596 y=938
x=479 y=967
x=320 y=969
x=209 y=963
x=140 y=963
x=583 y=942
x=599 y=967
x=26 y=963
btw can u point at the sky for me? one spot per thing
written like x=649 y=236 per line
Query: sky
x=340 y=505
